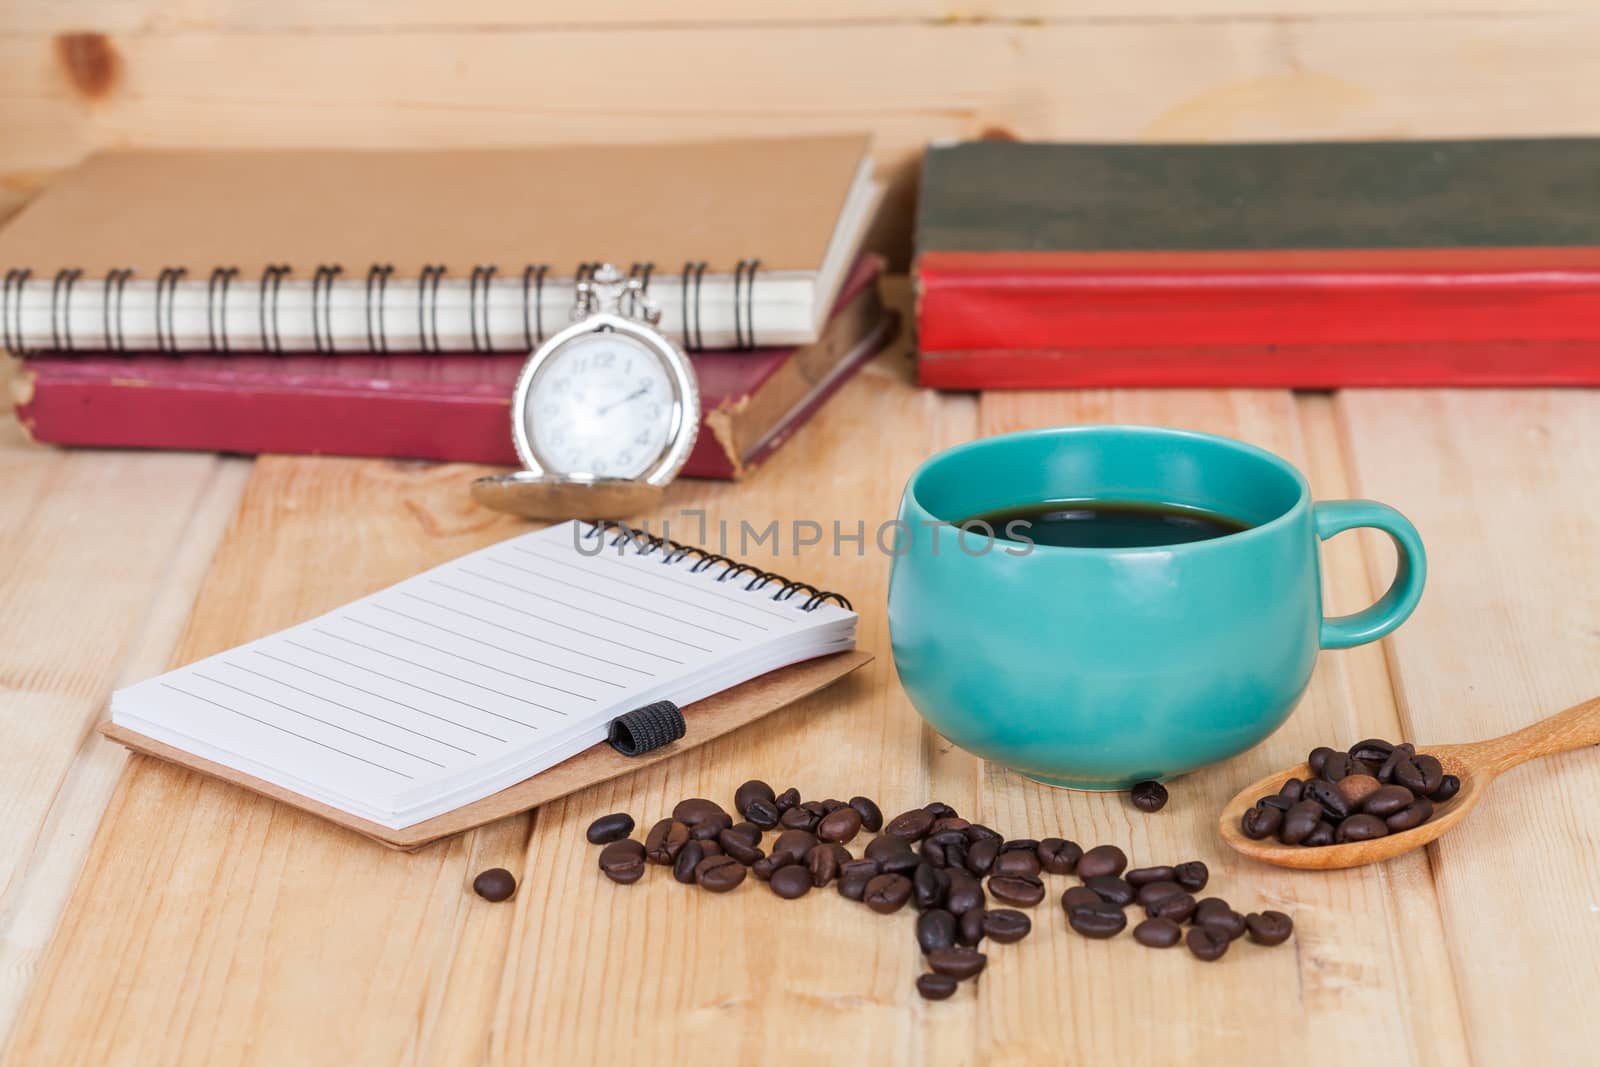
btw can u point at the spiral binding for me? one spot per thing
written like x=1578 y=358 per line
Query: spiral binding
x=11 y=309
x=271 y=282
x=430 y=276
x=644 y=544
x=744 y=327
x=221 y=279
x=115 y=284
x=533 y=280
x=478 y=308
x=693 y=339
x=167 y=284
x=378 y=281
x=61 y=308
x=322 y=307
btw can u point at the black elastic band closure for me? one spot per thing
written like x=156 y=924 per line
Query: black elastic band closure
x=647 y=729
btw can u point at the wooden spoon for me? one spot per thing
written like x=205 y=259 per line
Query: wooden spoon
x=1476 y=765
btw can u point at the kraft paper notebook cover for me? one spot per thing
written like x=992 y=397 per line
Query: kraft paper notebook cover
x=451 y=407
x=1313 y=265
x=744 y=243
x=483 y=687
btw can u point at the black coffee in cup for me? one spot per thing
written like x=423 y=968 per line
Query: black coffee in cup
x=1107 y=523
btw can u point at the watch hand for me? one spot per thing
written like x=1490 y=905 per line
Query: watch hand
x=636 y=394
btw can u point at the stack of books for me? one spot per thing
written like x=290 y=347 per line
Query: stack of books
x=382 y=303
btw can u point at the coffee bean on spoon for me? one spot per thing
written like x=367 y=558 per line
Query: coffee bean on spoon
x=1356 y=788
x=1149 y=796
x=1337 y=766
x=1292 y=790
x=1388 y=800
x=1372 y=750
x=1322 y=835
x=609 y=828
x=1318 y=758
x=1269 y=927
x=1411 y=816
x=1360 y=828
x=936 y=986
x=1299 y=822
x=1333 y=803
x=1449 y=786
x=1261 y=822
x=1158 y=933
x=1102 y=859
x=1056 y=855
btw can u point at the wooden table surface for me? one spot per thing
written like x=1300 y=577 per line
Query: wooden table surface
x=150 y=916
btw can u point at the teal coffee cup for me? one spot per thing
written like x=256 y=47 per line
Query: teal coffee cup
x=1094 y=667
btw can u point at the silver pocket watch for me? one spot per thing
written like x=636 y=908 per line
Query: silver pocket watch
x=605 y=411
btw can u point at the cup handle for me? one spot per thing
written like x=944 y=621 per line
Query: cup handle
x=1336 y=516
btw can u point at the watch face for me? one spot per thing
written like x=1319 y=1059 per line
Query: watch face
x=602 y=403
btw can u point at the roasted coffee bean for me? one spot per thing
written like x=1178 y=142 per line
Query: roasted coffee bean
x=792 y=846
x=871 y=817
x=696 y=810
x=1225 y=919
x=791 y=881
x=831 y=805
x=1140 y=877
x=738 y=846
x=787 y=799
x=719 y=874
x=824 y=861
x=711 y=847
x=1192 y=876
x=840 y=825
x=854 y=876
x=1449 y=786
x=955 y=855
x=749 y=831
x=762 y=813
x=1056 y=855
x=1372 y=750
x=1431 y=770
x=887 y=893
x=936 y=928
x=1111 y=889
x=754 y=789
x=894 y=856
x=932 y=853
x=1360 y=828
x=910 y=825
x=1261 y=822
x=1318 y=757
x=1356 y=788
x=1023 y=891
x=1019 y=844
x=948 y=825
x=959 y=963
x=816 y=807
x=979 y=832
x=1208 y=942
x=609 y=828
x=497 y=883
x=1150 y=892
x=981 y=856
x=1334 y=805
x=1269 y=927
x=1017 y=862
x=623 y=861
x=688 y=858
x=1005 y=925
x=940 y=810
x=1214 y=909
x=763 y=867
x=1158 y=933
x=929 y=886
x=1179 y=907
x=1102 y=859
x=665 y=839
x=1322 y=835
x=1149 y=796
x=1097 y=920
x=964 y=893
x=798 y=818
x=710 y=828
x=936 y=986
x=1299 y=822
x=1292 y=789
x=946 y=837
x=1388 y=800
x=1276 y=800
x=1337 y=766
x=1079 y=895
x=1411 y=816
x=969 y=930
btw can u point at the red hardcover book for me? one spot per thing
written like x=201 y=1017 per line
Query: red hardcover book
x=443 y=407
x=1289 y=265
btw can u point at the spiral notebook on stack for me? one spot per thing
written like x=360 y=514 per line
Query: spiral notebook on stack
x=489 y=685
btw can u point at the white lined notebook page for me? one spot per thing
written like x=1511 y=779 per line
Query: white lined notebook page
x=470 y=677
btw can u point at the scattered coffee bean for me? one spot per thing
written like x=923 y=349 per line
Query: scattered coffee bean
x=1192 y=876
x=979 y=832
x=763 y=867
x=936 y=986
x=711 y=847
x=894 y=856
x=871 y=817
x=1179 y=907
x=950 y=824
x=1208 y=942
x=1139 y=877
x=1149 y=796
x=497 y=883
x=940 y=810
x=609 y=828
x=831 y=805
x=1056 y=855
x=1019 y=844
x=1214 y=911
x=623 y=861
x=793 y=846
x=762 y=813
x=1005 y=925
x=936 y=929
x=1158 y=933
x=929 y=886
x=1150 y=892
x=696 y=810
x=739 y=846
x=970 y=927
x=1449 y=786
x=787 y=799
x=754 y=789
x=1360 y=828
x=665 y=839
x=1102 y=859
x=1017 y=862
x=798 y=818
x=824 y=862
x=933 y=853
x=1111 y=889
x=791 y=882
x=1097 y=920
x=959 y=963
x=1023 y=891
x=1269 y=927
x=964 y=893
x=911 y=825
x=854 y=876
x=687 y=859
x=719 y=874
x=1079 y=894
x=887 y=893
x=840 y=825
x=981 y=856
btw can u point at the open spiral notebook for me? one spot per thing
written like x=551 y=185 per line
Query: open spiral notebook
x=481 y=673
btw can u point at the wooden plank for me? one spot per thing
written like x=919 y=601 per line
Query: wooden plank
x=100 y=558
x=1502 y=486
x=1369 y=955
